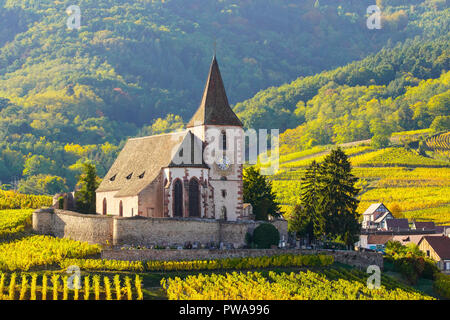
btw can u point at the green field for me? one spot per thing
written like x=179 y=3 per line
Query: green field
x=418 y=186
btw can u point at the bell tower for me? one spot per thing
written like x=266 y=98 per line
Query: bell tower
x=222 y=133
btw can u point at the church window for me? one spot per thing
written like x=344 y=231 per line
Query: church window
x=113 y=178
x=224 y=140
x=178 y=199
x=224 y=193
x=141 y=176
x=105 y=208
x=223 y=214
x=121 y=209
x=194 y=198
x=129 y=176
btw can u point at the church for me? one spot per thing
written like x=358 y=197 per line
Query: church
x=167 y=176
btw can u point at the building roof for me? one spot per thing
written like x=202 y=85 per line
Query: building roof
x=141 y=160
x=397 y=224
x=382 y=217
x=412 y=238
x=442 y=229
x=425 y=225
x=378 y=238
x=440 y=245
x=214 y=108
x=373 y=207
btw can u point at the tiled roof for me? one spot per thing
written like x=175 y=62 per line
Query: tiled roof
x=372 y=208
x=379 y=238
x=397 y=224
x=441 y=245
x=141 y=160
x=425 y=225
x=214 y=108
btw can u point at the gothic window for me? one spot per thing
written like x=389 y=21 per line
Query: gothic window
x=224 y=140
x=178 y=199
x=121 y=209
x=194 y=198
x=223 y=214
x=105 y=209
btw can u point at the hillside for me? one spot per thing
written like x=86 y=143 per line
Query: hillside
x=138 y=68
x=413 y=183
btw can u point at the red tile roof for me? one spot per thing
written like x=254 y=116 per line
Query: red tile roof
x=425 y=225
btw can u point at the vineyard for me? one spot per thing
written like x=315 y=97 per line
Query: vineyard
x=34 y=267
x=334 y=284
x=14 y=200
x=61 y=287
x=418 y=186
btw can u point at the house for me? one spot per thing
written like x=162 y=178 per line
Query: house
x=375 y=216
x=423 y=226
x=373 y=241
x=438 y=249
x=396 y=225
x=168 y=176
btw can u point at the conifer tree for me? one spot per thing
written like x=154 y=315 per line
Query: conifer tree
x=88 y=182
x=337 y=201
x=258 y=192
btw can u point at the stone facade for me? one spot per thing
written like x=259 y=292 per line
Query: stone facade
x=116 y=230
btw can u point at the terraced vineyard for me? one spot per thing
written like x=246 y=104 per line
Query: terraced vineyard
x=332 y=284
x=418 y=186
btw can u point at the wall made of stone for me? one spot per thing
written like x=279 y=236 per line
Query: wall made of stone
x=357 y=259
x=144 y=231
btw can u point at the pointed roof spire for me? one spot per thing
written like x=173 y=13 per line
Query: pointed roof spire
x=214 y=108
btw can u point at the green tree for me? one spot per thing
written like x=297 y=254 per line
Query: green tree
x=337 y=201
x=306 y=220
x=43 y=184
x=88 y=183
x=258 y=192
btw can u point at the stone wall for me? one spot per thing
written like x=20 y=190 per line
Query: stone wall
x=357 y=259
x=144 y=231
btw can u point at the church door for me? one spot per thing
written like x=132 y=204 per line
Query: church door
x=178 y=199
x=194 y=198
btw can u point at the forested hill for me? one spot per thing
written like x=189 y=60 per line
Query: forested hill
x=71 y=95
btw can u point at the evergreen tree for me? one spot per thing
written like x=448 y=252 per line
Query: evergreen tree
x=88 y=183
x=258 y=192
x=337 y=201
x=306 y=219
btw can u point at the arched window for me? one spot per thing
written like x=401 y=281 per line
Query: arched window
x=223 y=214
x=194 y=198
x=178 y=199
x=224 y=140
x=105 y=208
x=121 y=209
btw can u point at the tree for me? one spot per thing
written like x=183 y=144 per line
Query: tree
x=258 y=192
x=337 y=201
x=307 y=220
x=88 y=183
x=43 y=184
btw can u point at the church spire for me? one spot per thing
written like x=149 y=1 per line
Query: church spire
x=214 y=108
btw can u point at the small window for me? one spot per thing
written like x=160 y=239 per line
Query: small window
x=224 y=193
x=141 y=176
x=113 y=178
x=428 y=253
x=129 y=176
x=224 y=140
x=223 y=178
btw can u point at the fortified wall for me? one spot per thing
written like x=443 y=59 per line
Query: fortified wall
x=98 y=229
